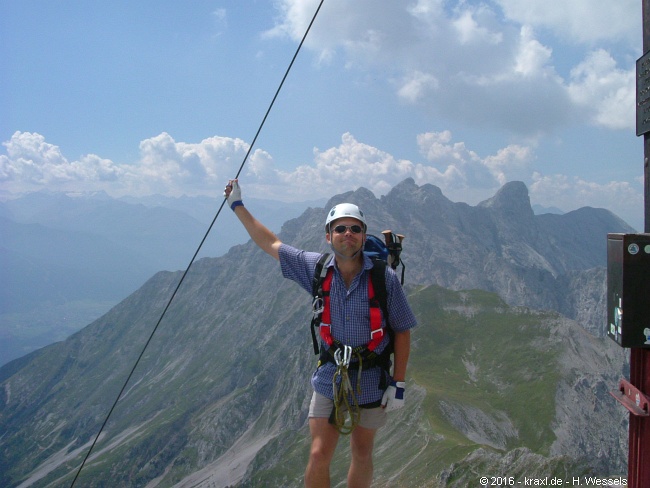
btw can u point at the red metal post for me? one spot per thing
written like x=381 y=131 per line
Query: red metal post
x=639 y=434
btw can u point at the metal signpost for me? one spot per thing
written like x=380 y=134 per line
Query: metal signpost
x=635 y=392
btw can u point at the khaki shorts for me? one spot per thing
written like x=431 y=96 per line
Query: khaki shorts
x=371 y=418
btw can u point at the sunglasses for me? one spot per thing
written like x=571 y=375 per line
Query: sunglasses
x=341 y=229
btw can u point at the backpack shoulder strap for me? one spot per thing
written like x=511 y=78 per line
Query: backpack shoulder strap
x=378 y=277
x=320 y=272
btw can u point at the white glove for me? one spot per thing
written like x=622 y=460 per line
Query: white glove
x=393 y=396
x=233 y=194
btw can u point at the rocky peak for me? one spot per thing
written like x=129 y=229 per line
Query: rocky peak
x=512 y=198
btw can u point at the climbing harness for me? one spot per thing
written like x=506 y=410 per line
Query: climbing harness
x=366 y=354
x=381 y=255
x=171 y=299
x=323 y=316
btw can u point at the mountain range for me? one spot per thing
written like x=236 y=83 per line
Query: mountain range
x=68 y=258
x=509 y=374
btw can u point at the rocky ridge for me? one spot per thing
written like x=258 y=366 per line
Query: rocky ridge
x=215 y=399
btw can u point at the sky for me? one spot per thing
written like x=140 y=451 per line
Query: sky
x=163 y=97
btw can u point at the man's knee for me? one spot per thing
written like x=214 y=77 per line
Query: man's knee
x=361 y=453
x=320 y=456
x=323 y=442
x=362 y=443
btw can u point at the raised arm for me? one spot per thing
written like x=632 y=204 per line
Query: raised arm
x=261 y=235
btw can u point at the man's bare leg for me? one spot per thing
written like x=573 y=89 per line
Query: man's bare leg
x=324 y=438
x=361 y=468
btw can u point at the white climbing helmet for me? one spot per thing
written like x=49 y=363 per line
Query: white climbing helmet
x=345 y=210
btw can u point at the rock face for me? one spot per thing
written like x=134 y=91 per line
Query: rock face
x=544 y=262
x=220 y=395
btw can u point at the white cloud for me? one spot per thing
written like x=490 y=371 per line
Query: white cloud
x=568 y=193
x=351 y=164
x=449 y=166
x=165 y=166
x=471 y=171
x=510 y=163
x=416 y=85
x=26 y=146
x=33 y=161
x=470 y=31
x=169 y=167
x=583 y=21
x=464 y=61
x=604 y=91
x=532 y=57
x=220 y=15
x=359 y=26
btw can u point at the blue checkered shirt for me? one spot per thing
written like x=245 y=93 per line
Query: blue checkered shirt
x=350 y=314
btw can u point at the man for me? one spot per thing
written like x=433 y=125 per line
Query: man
x=349 y=307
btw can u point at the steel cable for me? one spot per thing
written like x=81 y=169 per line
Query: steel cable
x=241 y=167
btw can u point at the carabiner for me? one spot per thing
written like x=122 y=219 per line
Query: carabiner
x=346 y=353
x=317 y=306
x=337 y=357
